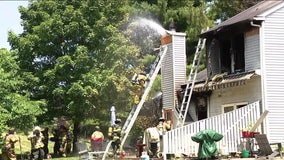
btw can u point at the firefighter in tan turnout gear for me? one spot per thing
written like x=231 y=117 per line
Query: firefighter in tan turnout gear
x=139 y=80
x=37 y=144
x=163 y=125
x=65 y=140
x=97 y=138
x=8 y=148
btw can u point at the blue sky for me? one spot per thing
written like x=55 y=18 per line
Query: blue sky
x=10 y=19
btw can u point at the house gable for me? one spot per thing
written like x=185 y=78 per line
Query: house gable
x=272 y=49
x=270 y=11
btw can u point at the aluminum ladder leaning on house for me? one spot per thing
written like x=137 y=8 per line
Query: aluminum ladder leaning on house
x=134 y=112
x=190 y=82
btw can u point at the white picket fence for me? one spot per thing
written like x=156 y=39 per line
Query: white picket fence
x=178 y=141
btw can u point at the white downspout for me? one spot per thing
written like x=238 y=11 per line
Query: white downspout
x=255 y=25
x=263 y=102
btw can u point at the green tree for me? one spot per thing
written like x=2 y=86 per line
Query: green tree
x=17 y=108
x=188 y=16
x=77 y=51
x=224 y=9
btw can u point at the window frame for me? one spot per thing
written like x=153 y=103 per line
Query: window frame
x=168 y=114
x=234 y=105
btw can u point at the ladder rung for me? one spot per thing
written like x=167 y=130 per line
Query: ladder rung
x=192 y=76
x=153 y=76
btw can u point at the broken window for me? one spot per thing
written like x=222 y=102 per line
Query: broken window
x=225 y=54
x=232 y=54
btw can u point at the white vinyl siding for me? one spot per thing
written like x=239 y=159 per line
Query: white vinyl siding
x=273 y=65
x=168 y=78
x=173 y=70
x=250 y=92
x=252 y=53
x=179 y=61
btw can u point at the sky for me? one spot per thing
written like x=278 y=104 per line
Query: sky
x=10 y=19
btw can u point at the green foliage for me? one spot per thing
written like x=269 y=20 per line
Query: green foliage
x=79 y=55
x=156 y=87
x=224 y=9
x=16 y=106
x=148 y=60
x=187 y=15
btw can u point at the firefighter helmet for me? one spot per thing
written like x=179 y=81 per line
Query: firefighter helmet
x=97 y=128
x=161 y=119
x=37 y=128
x=117 y=121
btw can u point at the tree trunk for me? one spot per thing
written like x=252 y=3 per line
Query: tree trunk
x=75 y=136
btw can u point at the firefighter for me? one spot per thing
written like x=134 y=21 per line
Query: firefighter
x=163 y=126
x=114 y=134
x=138 y=94
x=136 y=99
x=139 y=79
x=167 y=125
x=97 y=140
x=36 y=138
x=65 y=139
x=55 y=139
x=160 y=126
x=8 y=149
x=45 y=142
x=142 y=78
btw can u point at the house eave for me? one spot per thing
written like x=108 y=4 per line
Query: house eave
x=259 y=18
x=226 y=82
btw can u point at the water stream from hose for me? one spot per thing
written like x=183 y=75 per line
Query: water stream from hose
x=153 y=25
x=146 y=33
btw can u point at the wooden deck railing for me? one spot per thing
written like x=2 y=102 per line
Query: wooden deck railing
x=178 y=141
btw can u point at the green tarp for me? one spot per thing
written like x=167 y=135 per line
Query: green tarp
x=207 y=143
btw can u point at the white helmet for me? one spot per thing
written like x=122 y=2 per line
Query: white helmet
x=37 y=128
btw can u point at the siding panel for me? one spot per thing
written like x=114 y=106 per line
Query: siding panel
x=250 y=92
x=167 y=78
x=179 y=61
x=273 y=58
x=173 y=70
x=252 y=53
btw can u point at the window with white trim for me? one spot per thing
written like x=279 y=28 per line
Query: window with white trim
x=232 y=106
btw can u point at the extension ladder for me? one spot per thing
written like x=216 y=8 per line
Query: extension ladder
x=134 y=112
x=190 y=82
